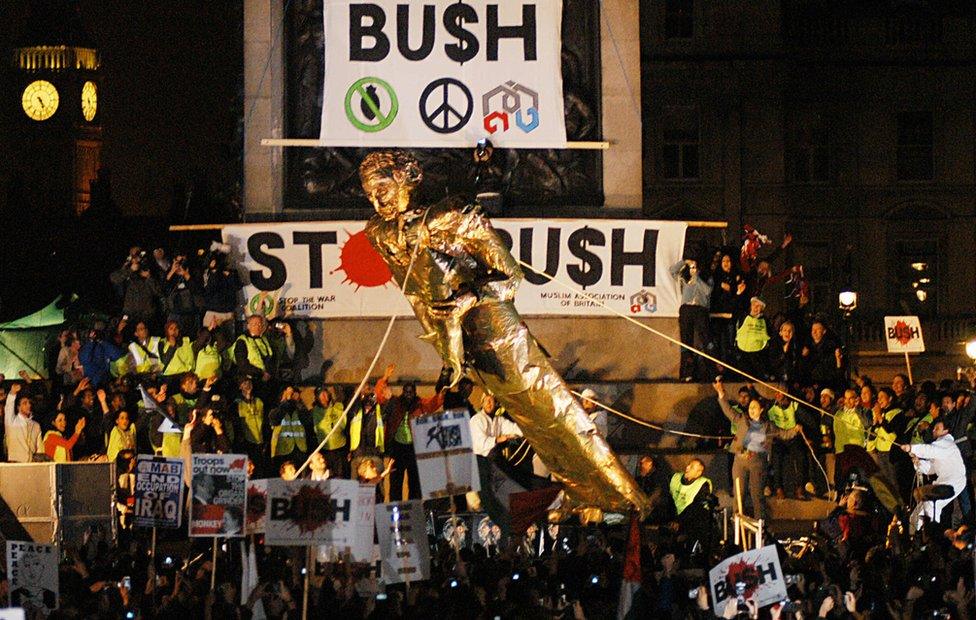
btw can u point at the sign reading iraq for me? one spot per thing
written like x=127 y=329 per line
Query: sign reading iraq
x=442 y=73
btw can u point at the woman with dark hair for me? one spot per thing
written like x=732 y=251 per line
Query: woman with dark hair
x=728 y=292
x=696 y=292
x=754 y=435
x=784 y=356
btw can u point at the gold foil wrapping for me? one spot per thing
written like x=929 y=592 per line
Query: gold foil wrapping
x=461 y=285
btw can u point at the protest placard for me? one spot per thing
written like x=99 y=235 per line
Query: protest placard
x=445 y=461
x=32 y=574
x=758 y=571
x=401 y=529
x=158 y=492
x=257 y=507
x=319 y=512
x=219 y=492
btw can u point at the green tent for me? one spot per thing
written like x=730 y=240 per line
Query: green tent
x=22 y=340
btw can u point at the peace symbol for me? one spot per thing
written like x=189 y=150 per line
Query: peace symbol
x=445 y=95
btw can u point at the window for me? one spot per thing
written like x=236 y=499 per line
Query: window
x=808 y=155
x=915 y=146
x=679 y=156
x=679 y=19
x=917 y=273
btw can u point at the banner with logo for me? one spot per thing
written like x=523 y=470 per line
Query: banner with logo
x=443 y=73
x=257 y=507
x=756 y=574
x=445 y=461
x=32 y=576
x=219 y=491
x=904 y=334
x=158 y=492
x=335 y=513
x=329 y=269
x=401 y=529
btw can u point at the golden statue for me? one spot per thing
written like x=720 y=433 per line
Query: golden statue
x=461 y=285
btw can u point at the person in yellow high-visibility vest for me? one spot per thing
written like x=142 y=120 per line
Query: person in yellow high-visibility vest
x=175 y=352
x=689 y=487
x=888 y=424
x=689 y=491
x=328 y=421
x=752 y=340
x=367 y=439
x=289 y=439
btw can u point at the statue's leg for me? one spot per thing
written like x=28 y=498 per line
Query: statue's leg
x=508 y=363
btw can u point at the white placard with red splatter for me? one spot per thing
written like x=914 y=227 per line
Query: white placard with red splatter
x=758 y=571
x=904 y=334
x=257 y=507
x=320 y=512
x=445 y=460
x=329 y=269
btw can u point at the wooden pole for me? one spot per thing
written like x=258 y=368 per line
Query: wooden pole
x=738 y=503
x=908 y=365
x=213 y=566
x=309 y=567
x=594 y=145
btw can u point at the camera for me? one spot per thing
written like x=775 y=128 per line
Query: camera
x=453 y=583
x=515 y=576
x=594 y=580
x=168 y=561
x=692 y=594
x=381 y=596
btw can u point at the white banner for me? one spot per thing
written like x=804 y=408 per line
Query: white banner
x=401 y=529
x=32 y=574
x=336 y=513
x=754 y=575
x=443 y=73
x=329 y=269
x=445 y=461
x=904 y=334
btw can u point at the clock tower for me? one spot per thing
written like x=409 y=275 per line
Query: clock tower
x=57 y=90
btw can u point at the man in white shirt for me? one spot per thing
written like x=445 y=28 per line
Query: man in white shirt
x=942 y=459
x=596 y=413
x=489 y=429
x=23 y=435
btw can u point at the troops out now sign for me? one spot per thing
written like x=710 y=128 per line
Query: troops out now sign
x=904 y=334
x=159 y=492
x=759 y=573
x=219 y=495
x=443 y=73
x=329 y=269
x=445 y=461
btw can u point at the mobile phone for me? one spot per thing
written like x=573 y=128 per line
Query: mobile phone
x=693 y=594
x=126 y=583
x=381 y=596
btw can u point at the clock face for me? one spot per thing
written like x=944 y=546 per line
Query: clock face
x=40 y=100
x=89 y=100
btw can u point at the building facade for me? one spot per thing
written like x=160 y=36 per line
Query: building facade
x=850 y=125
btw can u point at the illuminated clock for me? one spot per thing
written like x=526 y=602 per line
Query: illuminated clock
x=89 y=100
x=40 y=100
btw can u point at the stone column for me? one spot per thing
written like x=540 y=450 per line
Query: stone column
x=263 y=107
x=620 y=52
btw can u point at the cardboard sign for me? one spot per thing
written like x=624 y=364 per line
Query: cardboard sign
x=328 y=269
x=443 y=73
x=401 y=529
x=904 y=334
x=257 y=507
x=445 y=460
x=219 y=490
x=32 y=571
x=334 y=513
x=158 y=492
x=759 y=572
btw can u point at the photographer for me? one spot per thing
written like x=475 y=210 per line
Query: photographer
x=140 y=289
x=221 y=284
x=182 y=294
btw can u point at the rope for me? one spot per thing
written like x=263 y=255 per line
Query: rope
x=690 y=348
x=372 y=364
x=649 y=424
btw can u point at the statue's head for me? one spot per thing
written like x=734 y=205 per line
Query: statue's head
x=389 y=178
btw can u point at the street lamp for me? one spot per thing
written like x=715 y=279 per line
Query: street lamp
x=971 y=350
x=847 y=301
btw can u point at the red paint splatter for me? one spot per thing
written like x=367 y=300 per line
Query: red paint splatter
x=238 y=464
x=361 y=262
x=311 y=509
x=746 y=573
x=257 y=503
x=903 y=332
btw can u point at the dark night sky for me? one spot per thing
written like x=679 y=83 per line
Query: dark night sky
x=170 y=96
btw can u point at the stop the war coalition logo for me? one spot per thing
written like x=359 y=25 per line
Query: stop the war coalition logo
x=443 y=73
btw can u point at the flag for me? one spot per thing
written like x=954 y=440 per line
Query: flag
x=249 y=571
x=631 y=582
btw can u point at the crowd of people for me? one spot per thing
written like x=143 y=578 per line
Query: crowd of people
x=175 y=371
